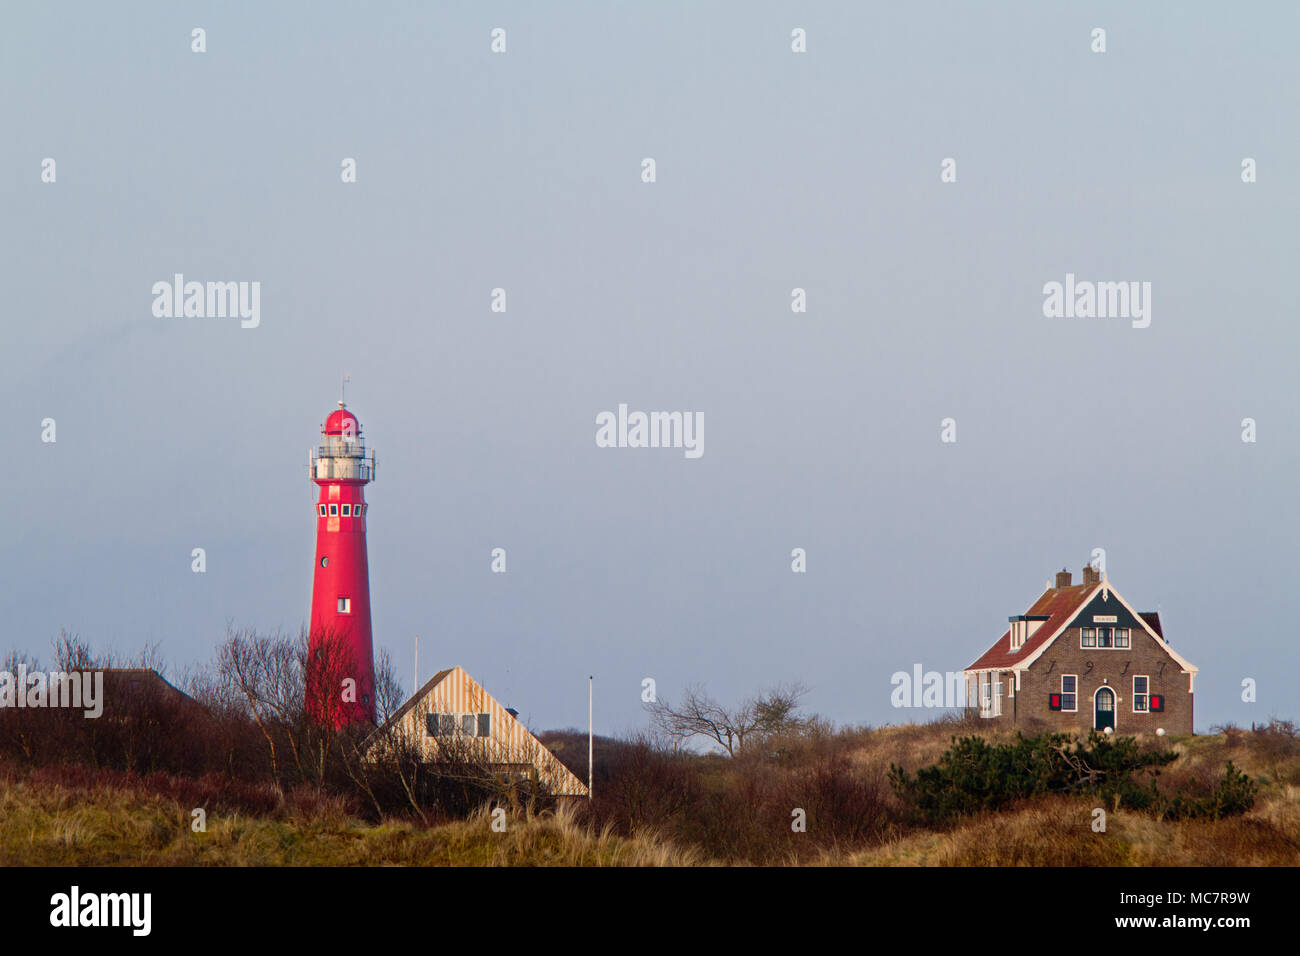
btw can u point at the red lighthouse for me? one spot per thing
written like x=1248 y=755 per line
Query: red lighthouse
x=340 y=641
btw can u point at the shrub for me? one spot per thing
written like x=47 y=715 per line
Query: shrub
x=1234 y=794
x=974 y=775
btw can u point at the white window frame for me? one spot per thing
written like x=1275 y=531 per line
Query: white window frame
x=345 y=605
x=990 y=691
x=1127 y=638
x=1145 y=695
x=322 y=511
x=346 y=510
x=1074 y=693
x=1087 y=634
x=334 y=510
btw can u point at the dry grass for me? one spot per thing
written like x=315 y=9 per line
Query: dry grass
x=53 y=819
x=106 y=826
x=1058 y=833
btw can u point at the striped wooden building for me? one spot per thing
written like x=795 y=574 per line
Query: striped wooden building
x=452 y=710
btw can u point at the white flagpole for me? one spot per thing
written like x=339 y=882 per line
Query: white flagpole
x=590 y=738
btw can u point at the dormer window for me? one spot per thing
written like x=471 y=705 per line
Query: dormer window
x=1023 y=627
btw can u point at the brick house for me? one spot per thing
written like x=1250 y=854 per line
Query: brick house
x=1080 y=658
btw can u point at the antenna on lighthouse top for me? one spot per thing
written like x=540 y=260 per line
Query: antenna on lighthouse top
x=343 y=384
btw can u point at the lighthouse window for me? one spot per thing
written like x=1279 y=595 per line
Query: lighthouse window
x=334 y=511
x=322 y=511
x=345 y=605
x=324 y=560
x=347 y=511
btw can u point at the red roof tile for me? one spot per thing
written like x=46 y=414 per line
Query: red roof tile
x=1060 y=604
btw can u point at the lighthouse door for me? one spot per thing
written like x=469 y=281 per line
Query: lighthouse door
x=1105 y=709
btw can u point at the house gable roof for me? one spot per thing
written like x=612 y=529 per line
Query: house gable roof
x=1060 y=605
x=135 y=680
x=505 y=727
x=418 y=696
x=1063 y=606
x=1152 y=619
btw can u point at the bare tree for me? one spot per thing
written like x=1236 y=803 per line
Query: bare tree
x=773 y=712
x=375 y=758
x=389 y=695
x=71 y=653
x=265 y=672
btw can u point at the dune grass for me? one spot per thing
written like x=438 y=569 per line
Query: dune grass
x=75 y=817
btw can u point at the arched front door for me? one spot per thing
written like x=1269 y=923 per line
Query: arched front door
x=1104 y=709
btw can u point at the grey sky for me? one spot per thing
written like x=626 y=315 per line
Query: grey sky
x=775 y=170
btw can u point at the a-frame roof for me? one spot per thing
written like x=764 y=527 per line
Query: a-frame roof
x=418 y=696
x=513 y=742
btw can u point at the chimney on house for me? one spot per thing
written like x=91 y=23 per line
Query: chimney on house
x=1062 y=578
x=1091 y=575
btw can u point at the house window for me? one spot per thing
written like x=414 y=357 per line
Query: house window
x=1121 y=637
x=334 y=511
x=468 y=724
x=990 y=695
x=1103 y=637
x=345 y=605
x=1069 y=692
x=347 y=511
x=485 y=725
x=1089 y=637
x=446 y=725
x=1141 y=687
x=431 y=724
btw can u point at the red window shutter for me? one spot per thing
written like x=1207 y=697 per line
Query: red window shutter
x=1053 y=701
x=1157 y=702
